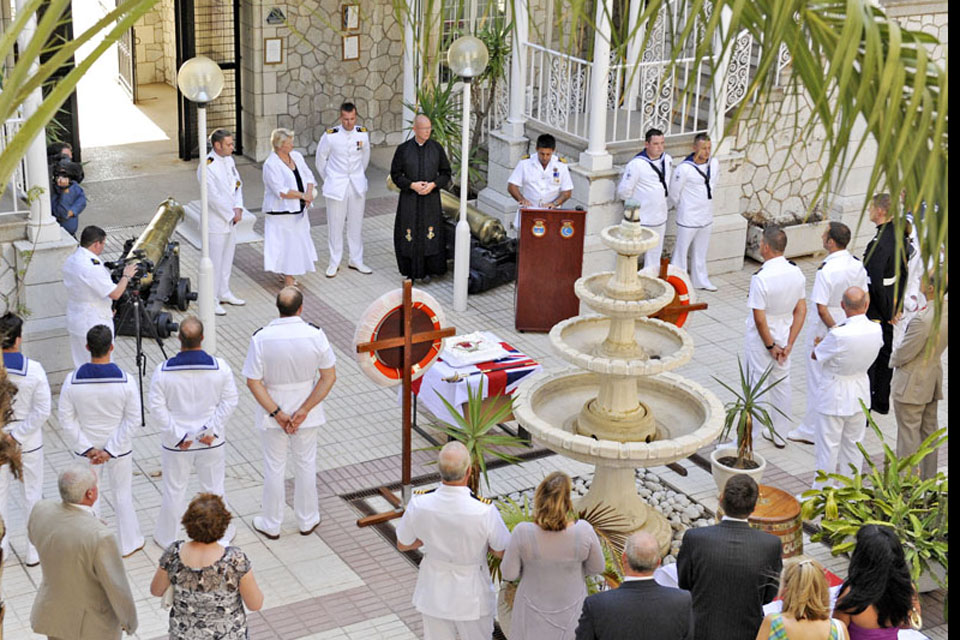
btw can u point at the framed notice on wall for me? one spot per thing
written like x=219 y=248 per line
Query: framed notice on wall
x=272 y=50
x=351 y=47
x=350 y=17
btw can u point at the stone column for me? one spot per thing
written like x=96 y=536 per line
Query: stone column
x=507 y=146
x=634 y=54
x=596 y=158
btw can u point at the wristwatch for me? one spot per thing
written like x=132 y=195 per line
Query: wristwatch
x=769 y=347
x=274 y=413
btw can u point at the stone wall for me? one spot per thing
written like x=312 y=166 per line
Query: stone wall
x=156 y=45
x=305 y=91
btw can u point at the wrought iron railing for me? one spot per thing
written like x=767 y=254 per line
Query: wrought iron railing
x=557 y=90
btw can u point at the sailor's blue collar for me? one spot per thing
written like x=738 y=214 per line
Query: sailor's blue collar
x=689 y=158
x=96 y=372
x=194 y=359
x=643 y=154
x=15 y=362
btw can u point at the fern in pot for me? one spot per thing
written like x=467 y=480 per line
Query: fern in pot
x=746 y=408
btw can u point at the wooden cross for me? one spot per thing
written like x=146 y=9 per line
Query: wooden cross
x=675 y=312
x=404 y=341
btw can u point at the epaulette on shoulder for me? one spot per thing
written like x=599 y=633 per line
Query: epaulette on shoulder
x=94 y=261
x=258 y=331
x=361 y=129
x=874 y=320
x=792 y=262
x=423 y=492
x=314 y=326
x=758 y=271
x=209 y=160
x=822 y=264
x=525 y=156
x=562 y=159
x=481 y=498
x=855 y=257
x=333 y=130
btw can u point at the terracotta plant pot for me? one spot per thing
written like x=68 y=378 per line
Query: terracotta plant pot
x=722 y=473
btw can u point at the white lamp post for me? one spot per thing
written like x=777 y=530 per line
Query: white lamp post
x=467 y=58
x=201 y=81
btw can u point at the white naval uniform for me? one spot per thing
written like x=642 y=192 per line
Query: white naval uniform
x=645 y=181
x=224 y=193
x=692 y=191
x=844 y=355
x=88 y=286
x=99 y=407
x=837 y=273
x=287 y=355
x=192 y=395
x=454 y=593
x=31 y=408
x=775 y=288
x=538 y=184
x=342 y=159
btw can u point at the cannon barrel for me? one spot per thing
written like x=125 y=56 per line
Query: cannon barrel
x=484 y=227
x=153 y=240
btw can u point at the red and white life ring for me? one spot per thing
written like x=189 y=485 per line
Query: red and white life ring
x=681 y=283
x=386 y=310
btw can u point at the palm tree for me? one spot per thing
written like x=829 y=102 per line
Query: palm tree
x=20 y=79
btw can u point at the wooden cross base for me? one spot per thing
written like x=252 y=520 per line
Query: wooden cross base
x=405 y=341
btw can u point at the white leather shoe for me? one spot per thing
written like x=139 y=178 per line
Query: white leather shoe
x=708 y=287
x=232 y=299
x=332 y=270
x=218 y=310
x=359 y=266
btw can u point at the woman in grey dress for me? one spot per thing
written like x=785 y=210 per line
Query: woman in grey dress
x=551 y=556
x=211 y=583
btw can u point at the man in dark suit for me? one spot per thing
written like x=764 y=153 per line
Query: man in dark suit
x=731 y=569
x=639 y=608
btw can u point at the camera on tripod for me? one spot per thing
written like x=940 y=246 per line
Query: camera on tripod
x=156 y=283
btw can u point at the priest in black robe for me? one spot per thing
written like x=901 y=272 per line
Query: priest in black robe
x=420 y=169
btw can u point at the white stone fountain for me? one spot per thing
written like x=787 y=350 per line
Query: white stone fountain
x=620 y=410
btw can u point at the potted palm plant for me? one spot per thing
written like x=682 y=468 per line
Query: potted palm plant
x=892 y=495
x=743 y=410
x=474 y=429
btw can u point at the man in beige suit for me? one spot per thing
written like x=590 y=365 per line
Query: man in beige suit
x=87 y=598
x=918 y=381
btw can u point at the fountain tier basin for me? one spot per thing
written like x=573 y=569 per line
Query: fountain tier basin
x=629 y=238
x=583 y=341
x=687 y=418
x=636 y=299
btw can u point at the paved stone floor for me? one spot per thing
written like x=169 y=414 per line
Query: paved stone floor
x=343 y=582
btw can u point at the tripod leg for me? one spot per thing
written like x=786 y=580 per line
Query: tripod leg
x=141 y=359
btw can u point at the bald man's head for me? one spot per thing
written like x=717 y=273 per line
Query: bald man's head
x=289 y=302
x=642 y=552
x=422 y=128
x=191 y=333
x=453 y=461
x=855 y=301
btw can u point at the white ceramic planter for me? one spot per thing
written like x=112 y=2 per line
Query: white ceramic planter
x=722 y=473
x=802 y=239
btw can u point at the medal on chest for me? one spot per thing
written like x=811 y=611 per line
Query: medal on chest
x=359 y=145
x=556 y=176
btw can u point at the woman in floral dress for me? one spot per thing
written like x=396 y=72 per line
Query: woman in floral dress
x=211 y=583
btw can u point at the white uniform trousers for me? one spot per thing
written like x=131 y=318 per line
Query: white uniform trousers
x=651 y=259
x=222 y=248
x=836 y=444
x=806 y=430
x=303 y=451
x=349 y=210
x=695 y=240
x=177 y=465
x=119 y=477
x=442 y=629
x=758 y=359
x=32 y=493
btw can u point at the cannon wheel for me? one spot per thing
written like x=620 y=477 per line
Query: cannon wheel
x=162 y=324
x=183 y=294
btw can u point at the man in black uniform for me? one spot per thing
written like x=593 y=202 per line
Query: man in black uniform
x=420 y=169
x=880 y=261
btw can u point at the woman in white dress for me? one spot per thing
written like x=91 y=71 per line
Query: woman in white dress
x=287 y=195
